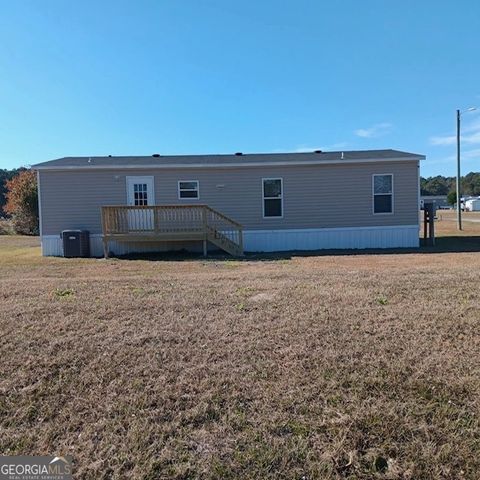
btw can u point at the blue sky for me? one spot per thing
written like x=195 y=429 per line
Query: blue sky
x=219 y=76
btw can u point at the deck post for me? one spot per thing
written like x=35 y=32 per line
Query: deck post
x=156 y=220
x=205 y=230
x=240 y=240
x=105 y=247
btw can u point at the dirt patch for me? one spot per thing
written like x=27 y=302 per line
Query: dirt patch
x=262 y=297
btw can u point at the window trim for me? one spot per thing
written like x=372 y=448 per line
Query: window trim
x=271 y=198
x=188 y=190
x=374 y=194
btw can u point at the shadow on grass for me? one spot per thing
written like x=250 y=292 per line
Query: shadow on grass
x=460 y=244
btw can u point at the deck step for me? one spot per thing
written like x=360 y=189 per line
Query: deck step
x=222 y=241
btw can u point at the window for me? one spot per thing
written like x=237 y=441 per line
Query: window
x=272 y=197
x=188 y=189
x=383 y=193
x=140 y=194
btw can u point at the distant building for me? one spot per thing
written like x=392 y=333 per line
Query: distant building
x=472 y=205
x=439 y=201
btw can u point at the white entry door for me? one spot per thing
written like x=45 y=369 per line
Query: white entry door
x=140 y=192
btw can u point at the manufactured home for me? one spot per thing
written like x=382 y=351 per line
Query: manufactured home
x=238 y=203
x=472 y=204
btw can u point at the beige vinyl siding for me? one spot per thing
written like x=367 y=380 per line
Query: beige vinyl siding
x=314 y=196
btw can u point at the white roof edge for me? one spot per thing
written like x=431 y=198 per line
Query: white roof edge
x=230 y=165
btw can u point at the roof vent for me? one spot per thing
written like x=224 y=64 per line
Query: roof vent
x=238 y=154
x=317 y=151
x=156 y=155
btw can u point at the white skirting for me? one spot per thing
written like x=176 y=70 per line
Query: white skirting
x=397 y=236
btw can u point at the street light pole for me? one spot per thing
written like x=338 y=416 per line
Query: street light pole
x=459 y=202
x=459 y=193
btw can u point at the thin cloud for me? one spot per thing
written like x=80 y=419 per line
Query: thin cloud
x=306 y=149
x=475 y=153
x=471 y=135
x=332 y=147
x=452 y=139
x=440 y=161
x=472 y=126
x=466 y=156
x=443 y=140
x=377 y=130
x=469 y=160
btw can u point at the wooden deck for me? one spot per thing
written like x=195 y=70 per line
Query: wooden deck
x=165 y=223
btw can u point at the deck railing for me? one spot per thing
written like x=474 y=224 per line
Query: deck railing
x=168 y=220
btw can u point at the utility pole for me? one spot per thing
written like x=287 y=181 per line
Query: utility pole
x=459 y=202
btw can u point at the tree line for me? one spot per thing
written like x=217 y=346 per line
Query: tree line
x=440 y=185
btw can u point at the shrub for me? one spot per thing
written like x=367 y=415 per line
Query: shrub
x=452 y=198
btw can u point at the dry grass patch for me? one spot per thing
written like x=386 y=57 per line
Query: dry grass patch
x=361 y=366
x=6 y=227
